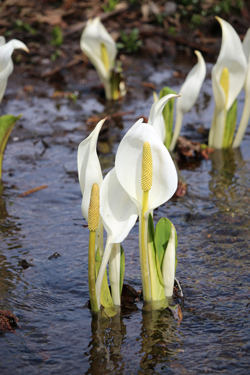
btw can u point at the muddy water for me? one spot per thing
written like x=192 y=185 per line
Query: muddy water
x=58 y=334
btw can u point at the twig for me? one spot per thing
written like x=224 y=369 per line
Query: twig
x=32 y=191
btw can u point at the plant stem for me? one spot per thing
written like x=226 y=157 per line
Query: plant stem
x=114 y=273
x=143 y=248
x=177 y=129
x=218 y=125
x=243 y=122
x=91 y=272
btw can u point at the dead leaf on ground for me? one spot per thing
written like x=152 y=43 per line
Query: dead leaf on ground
x=52 y=17
x=149 y=85
x=191 y=149
x=176 y=312
x=8 y=321
x=181 y=189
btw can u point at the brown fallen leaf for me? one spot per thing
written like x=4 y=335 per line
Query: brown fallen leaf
x=28 y=88
x=191 y=149
x=52 y=17
x=32 y=191
x=149 y=85
x=206 y=151
x=176 y=312
x=8 y=321
x=181 y=189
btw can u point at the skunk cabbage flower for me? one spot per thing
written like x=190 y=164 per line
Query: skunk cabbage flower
x=246 y=111
x=117 y=212
x=228 y=77
x=128 y=166
x=6 y=64
x=89 y=169
x=89 y=173
x=119 y=215
x=155 y=116
x=188 y=95
x=146 y=171
x=101 y=49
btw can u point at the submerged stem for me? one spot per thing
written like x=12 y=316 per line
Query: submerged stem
x=177 y=130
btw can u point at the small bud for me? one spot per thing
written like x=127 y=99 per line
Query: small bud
x=147 y=168
x=105 y=56
x=94 y=208
x=224 y=82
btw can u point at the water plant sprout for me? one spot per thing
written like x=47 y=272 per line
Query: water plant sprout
x=7 y=122
x=101 y=50
x=189 y=93
x=228 y=77
x=143 y=178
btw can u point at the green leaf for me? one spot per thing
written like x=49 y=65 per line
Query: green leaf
x=122 y=269
x=106 y=299
x=7 y=123
x=151 y=238
x=230 y=126
x=57 y=36
x=157 y=290
x=176 y=244
x=168 y=114
x=162 y=235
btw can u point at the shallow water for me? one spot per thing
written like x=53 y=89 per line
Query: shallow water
x=58 y=334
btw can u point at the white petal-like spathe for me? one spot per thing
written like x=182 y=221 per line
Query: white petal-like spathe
x=156 y=118
x=246 y=44
x=117 y=210
x=2 y=40
x=246 y=111
x=168 y=265
x=119 y=215
x=191 y=87
x=89 y=169
x=128 y=164
x=188 y=95
x=232 y=57
x=92 y=37
x=6 y=64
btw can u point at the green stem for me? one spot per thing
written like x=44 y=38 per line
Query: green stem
x=243 y=122
x=219 y=122
x=1 y=163
x=91 y=272
x=143 y=248
x=212 y=130
x=177 y=129
x=114 y=273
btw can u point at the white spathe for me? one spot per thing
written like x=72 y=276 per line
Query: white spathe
x=231 y=57
x=189 y=93
x=118 y=211
x=89 y=169
x=6 y=63
x=155 y=116
x=191 y=87
x=128 y=165
x=93 y=37
x=246 y=110
x=119 y=215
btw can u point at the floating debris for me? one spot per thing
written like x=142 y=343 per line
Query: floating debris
x=8 y=321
